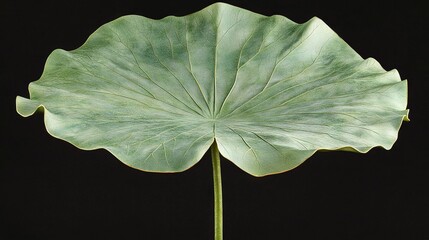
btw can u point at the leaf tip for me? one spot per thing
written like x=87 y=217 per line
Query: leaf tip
x=26 y=107
x=406 y=117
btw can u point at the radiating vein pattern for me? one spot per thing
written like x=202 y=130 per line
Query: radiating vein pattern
x=270 y=92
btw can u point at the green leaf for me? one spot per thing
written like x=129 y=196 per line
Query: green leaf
x=270 y=92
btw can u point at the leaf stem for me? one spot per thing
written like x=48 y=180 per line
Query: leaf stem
x=217 y=182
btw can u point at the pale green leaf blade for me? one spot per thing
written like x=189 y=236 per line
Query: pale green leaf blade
x=157 y=93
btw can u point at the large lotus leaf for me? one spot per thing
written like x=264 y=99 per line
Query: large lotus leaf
x=270 y=92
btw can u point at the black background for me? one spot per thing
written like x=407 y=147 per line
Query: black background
x=52 y=190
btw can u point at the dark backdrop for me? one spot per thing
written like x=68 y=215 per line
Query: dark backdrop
x=52 y=190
